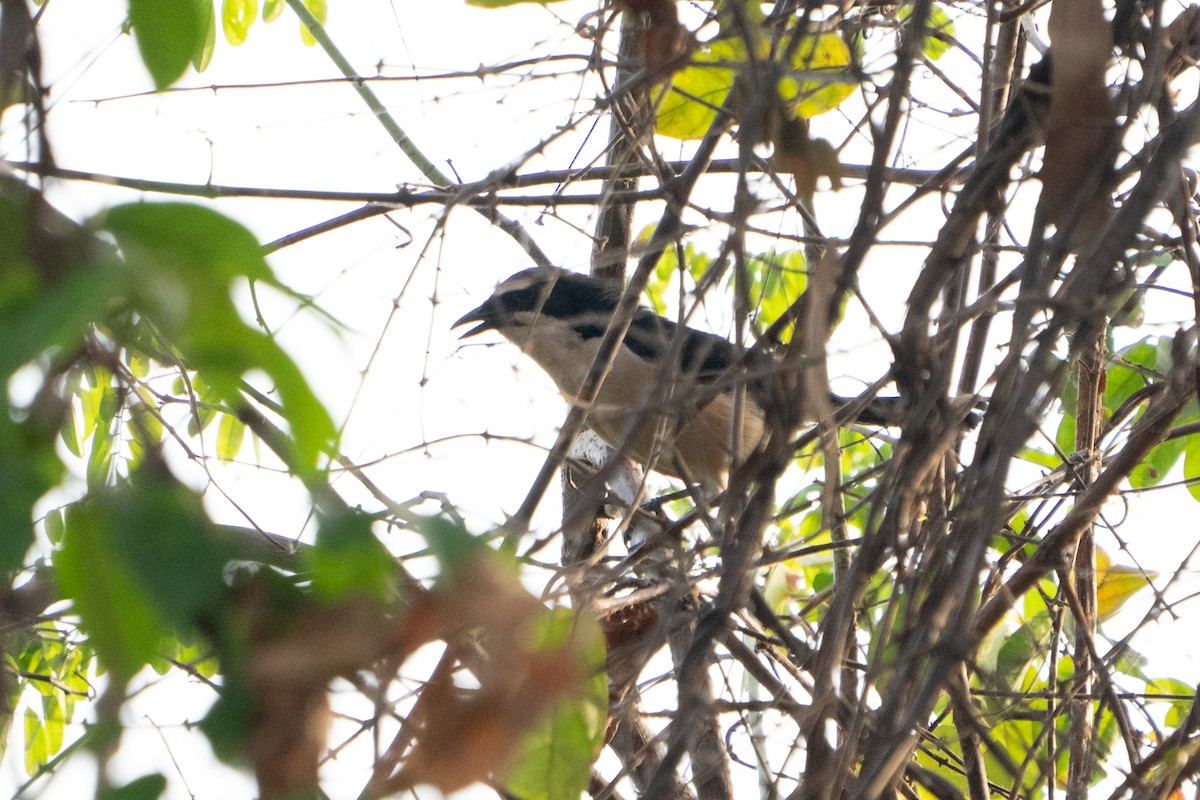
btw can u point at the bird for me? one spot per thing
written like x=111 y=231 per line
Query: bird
x=668 y=401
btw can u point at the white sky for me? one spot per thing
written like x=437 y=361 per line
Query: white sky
x=394 y=373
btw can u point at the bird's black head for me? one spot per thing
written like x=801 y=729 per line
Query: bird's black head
x=543 y=292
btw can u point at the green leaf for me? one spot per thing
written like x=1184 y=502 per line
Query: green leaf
x=200 y=420
x=785 y=582
x=168 y=33
x=138 y=560
x=197 y=655
x=988 y=653
x=53 y=720
x=688 y=107
x=1115 y=585
x=777 y=280
x=453 y=546
x=696 y=264
x=28 y=468
x=120 y=621
x=815 y=84
x=1128 y=372
x=147 y=787
x=320 y=11
x=1016 y=738
x=228 y=723
x=1181 y=705
x=660 y=279
x=349 y=560
x=71 y=432
x=18 y=93
x=147 y=427
x=106 y=408
x=230 y=434
x=54 y=526
x=1128 y=661
x=554 y=760
x=37 y=742
x=1157 y=463
x=1068 y=393
x=1191 y=466
x=1041 y=458
x=139 y=365
x=100 y=461
x=163 y=536
x=206 y=44
x=56 y=318
x=1064 y=437
x=1163 y=457
x=272 y=9
x=236 y=18
x=99 y=377
x=946 y=737
x=183 y=261
x=74 y=671
x=160 y=664
x=819 y=578
x=1021 y=648
x=729 y=23
x=821 y=63
x=938 y=22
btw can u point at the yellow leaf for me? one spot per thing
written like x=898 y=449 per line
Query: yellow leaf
x=236 y=18
x=272 y=9
x=688 y=106
x=939 y=22
x=821 y=60
x=785 y=583
x=1116 y=584
x=320 y=11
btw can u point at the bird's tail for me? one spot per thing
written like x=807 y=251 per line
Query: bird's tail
x=887 y=411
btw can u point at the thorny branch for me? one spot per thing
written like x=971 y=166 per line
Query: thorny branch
x=859 y=673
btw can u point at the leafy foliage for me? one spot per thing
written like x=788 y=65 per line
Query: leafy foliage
x=960 y=611
x=940 y=28
x=236 y=18
x=169 y=34
x=688 y=107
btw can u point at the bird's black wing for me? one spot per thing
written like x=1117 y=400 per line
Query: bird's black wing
x=705 y=357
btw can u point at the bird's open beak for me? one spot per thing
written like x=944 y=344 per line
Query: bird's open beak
x=483 y=315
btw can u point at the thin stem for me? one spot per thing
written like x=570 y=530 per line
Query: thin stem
x=405 y=142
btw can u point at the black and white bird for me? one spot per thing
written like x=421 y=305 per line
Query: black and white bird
x=668 y=401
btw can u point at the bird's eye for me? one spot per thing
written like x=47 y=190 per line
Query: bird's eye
x=589 y=331
x=526 y=299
